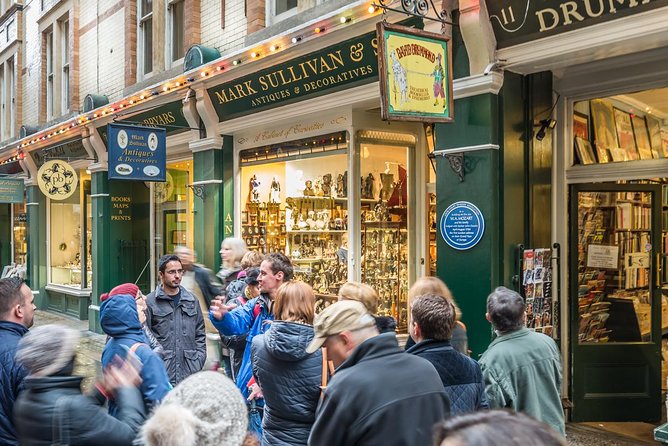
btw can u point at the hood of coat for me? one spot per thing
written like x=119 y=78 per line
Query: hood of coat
x=287 y=341
x=118 y=317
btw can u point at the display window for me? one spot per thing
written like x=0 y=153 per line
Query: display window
x=173 y=212
x=20 y=233
x=70 y=238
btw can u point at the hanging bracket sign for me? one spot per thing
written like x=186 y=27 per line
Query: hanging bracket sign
x=462 y=225
x=11 y=190
x=57 y=180
x=137 y=153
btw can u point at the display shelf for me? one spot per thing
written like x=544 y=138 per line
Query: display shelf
x=317 y=231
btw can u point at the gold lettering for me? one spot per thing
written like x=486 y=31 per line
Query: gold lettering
x=222 y=98
x=541 y=19
x=570 y=10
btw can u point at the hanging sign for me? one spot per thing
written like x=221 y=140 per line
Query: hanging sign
x=137 y=153
x=462 y=225
x=11 y=190
x=415 y=70
x=57 y=179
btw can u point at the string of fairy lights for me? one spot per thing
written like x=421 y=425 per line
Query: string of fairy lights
x=203 y=72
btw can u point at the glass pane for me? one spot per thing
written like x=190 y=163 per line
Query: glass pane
x=178 y=25
x=147 y=30
x=65 y=241
x=298 y=205
x=174 y=209
x=20 y=233
x=285 y=5
x=384 y=212
x=146 y=7
x=614 y=257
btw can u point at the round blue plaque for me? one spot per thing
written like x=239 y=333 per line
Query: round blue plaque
x=462 y=225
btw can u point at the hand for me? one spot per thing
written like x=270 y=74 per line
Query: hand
x=218 y=310
x=255 y=392
x=121 y=373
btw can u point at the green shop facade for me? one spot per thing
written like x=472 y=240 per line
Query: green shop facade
x=307 y=167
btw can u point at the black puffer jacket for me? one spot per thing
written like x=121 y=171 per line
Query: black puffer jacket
x=79 y=419
x=11 y=378
x=290 y=379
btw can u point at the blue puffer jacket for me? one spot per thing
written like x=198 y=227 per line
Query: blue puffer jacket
x=290 y=379
x=119 y=319
x=244 y=320
x=11 y=378
x=461 y=375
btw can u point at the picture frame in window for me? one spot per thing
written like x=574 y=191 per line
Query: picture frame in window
x=654 y=127
x=625 y=133
x=642 y=137
x=603 y=121
x=179 y=237
x=585 y=151
x=580 y=125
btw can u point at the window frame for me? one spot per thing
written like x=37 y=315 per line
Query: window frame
x=49 y=63
x=64 y=63
x=170 y=35
x=274 y=18
x=142 y=20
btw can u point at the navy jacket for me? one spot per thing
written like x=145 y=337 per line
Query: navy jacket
x=461 y=375
x=11 y=378
x=290 y=379
x=119 y=319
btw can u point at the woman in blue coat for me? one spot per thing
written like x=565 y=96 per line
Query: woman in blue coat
x=290 y=378
x=119 y=318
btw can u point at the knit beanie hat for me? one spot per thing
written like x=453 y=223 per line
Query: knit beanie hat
x=125 y=288
x=47 y=349
x=205 y=409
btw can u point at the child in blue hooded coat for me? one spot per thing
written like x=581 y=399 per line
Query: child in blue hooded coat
x=119 y=319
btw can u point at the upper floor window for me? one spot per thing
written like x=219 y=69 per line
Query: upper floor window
x=177 y=27
x=48 y=37
x=65 y=65
x=282 y=6
x=145 y=36
x=7 y=99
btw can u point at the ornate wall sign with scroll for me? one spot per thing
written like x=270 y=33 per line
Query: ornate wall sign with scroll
x=57 y=179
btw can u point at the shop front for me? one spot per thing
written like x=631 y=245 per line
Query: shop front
x=607 y=122
x=13 y=220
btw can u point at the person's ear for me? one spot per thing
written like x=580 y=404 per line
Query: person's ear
x=280 y=275
x=489 y=319
x=417 y=331
x=18 y=311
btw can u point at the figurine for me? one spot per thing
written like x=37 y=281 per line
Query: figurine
x=275 y=191
x=254 y=190
x=387 y=186
x=317 y=188
x=308 y=190
x=301 y=224
x=340 y=186
x=368 y=192
x=327 y=185
x=310 y=221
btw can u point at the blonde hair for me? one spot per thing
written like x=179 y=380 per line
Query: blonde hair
x=238 y=248
x=360 y=292
x=433 y=285
x=251 y=259
x=295 y=302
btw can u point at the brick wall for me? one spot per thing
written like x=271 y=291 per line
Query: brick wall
x=31 y=70
x=232 y=36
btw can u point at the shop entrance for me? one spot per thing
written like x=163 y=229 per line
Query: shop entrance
x=616 y=257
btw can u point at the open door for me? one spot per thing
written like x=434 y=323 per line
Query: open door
x=615 y=248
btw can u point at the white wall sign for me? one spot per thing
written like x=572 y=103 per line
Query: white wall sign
x=602 y=256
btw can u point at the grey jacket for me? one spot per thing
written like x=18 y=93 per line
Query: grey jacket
x=290 y=379
x=179 y=330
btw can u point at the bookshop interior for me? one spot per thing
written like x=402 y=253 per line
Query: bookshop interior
x=621 y=233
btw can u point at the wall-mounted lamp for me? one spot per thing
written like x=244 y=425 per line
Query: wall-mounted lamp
x=545 y=124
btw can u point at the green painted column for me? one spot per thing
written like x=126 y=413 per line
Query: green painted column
x=36 y=273
x=102 y=260
x=5 y=234
x=214 y=185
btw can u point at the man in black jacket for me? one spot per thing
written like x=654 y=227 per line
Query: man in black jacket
x=52 y=410
x=378 y=394
x=433 y=322
x=17 y=309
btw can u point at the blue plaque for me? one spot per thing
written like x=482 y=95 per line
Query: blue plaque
x=462 y=225
x=137 y=153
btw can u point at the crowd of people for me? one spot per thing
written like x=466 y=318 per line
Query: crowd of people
x=241 y=358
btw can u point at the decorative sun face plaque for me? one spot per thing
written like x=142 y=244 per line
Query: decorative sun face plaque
x=57 y=179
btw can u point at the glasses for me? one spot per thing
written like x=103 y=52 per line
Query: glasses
x=173 y=272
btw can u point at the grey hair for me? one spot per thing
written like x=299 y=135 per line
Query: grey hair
x=238 y=247
x=506 y=310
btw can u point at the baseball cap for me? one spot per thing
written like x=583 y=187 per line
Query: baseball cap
x=345 y=315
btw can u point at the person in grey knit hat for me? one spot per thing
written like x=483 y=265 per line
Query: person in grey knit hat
x=205 y=409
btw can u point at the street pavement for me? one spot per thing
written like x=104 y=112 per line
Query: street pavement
x=91 y=344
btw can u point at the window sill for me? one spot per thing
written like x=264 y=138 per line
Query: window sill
x=65 y=289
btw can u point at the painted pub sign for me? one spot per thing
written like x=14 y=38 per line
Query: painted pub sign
x=415 y=70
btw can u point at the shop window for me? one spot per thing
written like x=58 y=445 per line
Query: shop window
x=20 y=235
x=174 y=217
x=70 y=238
x=619 y=128
x=295 y=201
x=145 y=36
x=177 y=25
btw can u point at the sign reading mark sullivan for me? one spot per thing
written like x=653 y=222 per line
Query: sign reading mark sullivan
x=344 y=64
x=137 y=153
x=462 y=225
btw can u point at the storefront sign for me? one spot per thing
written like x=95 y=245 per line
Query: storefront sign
x=11 y=191
x=462 y=225
x=169 y=116
x=67 y=150
x=120 y=208
x=415 y=74
x=57 y=180
x=603 y=256
x=345 y=64
x=518 y=21
x=137 y=153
